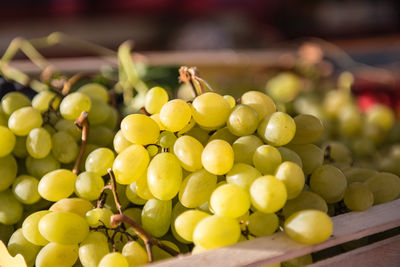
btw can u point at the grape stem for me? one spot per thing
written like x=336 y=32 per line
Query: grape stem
x=82 y=123
x=70 y=82
x=190 y=76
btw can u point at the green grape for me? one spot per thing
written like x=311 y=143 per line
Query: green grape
x=98 y=112
x=68 y=126
x=99 y=216
x=19 y=245
x=19 y=149
x=30 y=228
x=89 y=185
x=358 y=197
x=218 y=157
x=266 y=159
x=111 y=122
x=113 y=259
x=175 y=115
x=57 y=184
x=64 y=147
x=230 y=200
x=44 y=99
x=381 y=116
x=277 y=129
x=337 y=152
x=132 y=195
x=304 y=260
x=283 y=87
x=292 y=176
x=176 y=211
x=289 y=155
x=242 y=175
x=311 y=156
x=350 y=121
x=216 y=231
x=74 y=104
x=40 y=167
x=120 y=142
x=156 y=97
x=188 y=151
x=75 y=205
x=385 y=187
x=93 y=249
x=309 y=226
x=160 y=254
x=135 y=214
x=54 y=254
x=244 y=148
x=140 y=129
x=23 y=120
x=260 y=102
x=13 y=101
x=38 y=143
x=95 y=91
x=304 y=201
x=329 y=182
x=25 y=189
x=243 y=120
x=99 y=161
x=156 y=118
x=142 y=187
x=164 y=176
x=127 y=170
x=10 y=208
x=308 y=129
x=124 y=201
x=8 y=171
x=268 y=194
x=187 y=221
x=152 y=150
x=167 y=139
x=223 y=134
x=135 y=254
x=231 y=101
x=334 y=101
x=156 y=216
x=63 y=227
x=355 y=174
x=210 y=110
x=7 y=141
x=199 y=134
x=261 y=224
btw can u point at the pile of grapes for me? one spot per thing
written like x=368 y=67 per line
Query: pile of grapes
x=78 y=188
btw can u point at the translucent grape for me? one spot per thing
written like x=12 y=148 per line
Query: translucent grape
x=308 y=129
x=23 y=120
x=188 y=151
x=292 y=176
x=99 y=161
x=385 y=187
x=19 y=245
x=167 y=139
x=134 y=213
x=175 y=115
x=355 y=174
x=57 y=184
x=135 y=254
x=99 y=111
x=127 y=170
x=153 y=150
x=266 y=159
x=230 y=200
x=13 y=101
x=10 y=208
x=200 y=134
x=244 y=148
x=289 y=155
x=231 y=101
x=68 y=126
x=93 y=249
x=142 y=187
x=75 y=205
x=101 y=136
x=99 y=216
x=210 y=110
x=304 y=201
x=261 y=224
x=64 y=147
x=89 y=185
x=7 y=141
x=283 y=87
x=156 y=216
x=120 y=142
x=54 y=254
x=113 y=259
x=95 y=90
x=242 y=175
x=8 y=171
x=156 y=118
x=74 y=104
x=381 y=116
x=140 y=129
x=44 y=99
x=243 y=120
x=25 y=189
x=337 y=152
x=277 y=129
x=311 y=156
x=187 y=221
x=217 y=157
x=132 y=195
x=156 y=97
x=38 y=143
x=39 y=167
x=358 y=197
x=268 y=194
x=260 y=102
x=30 y=228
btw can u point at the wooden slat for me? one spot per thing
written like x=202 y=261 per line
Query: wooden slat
x=278 y=247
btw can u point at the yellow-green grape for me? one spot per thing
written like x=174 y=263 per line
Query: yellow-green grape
x=304 y=260
x=175 y=115
x=156 y=97
x=167 y=139
x=10 y=208
x=39 y=167
x=338 y=152
x=381 y=116
x=199 y=249
x=223 y=134
x=68 y=126
x=156 y=118
x=8 y=171
x=99 y=112
x=385 y=187
x=176 y=211
x=373 y=133
x=283 y=87
x=75 y=205
x=64 y=147
x=95 y=90
x=44 y=99
x=188 y=151
x=309 y=226
x=160 y=254
x=142 y=187
x=244 y=148
x=230 y=200
x=266 y=159
x=113 y=259
x=259 y=101
x=38 y=143
x=99 y=161
x=133 y=213
x=277 y=129
x=111 y=122
x=110 y=203
x=126 y=169
x=231 y=101
x=196 y=188
x=57 y=184
x=308 y=129
x=101 y=136
x=268 y=194
x=292 y=176
x=120 y=142
x=30 y=228
x=7 y=141
x=135 y=254
x=243 y=120
x=63 y=227
x=289 y=155
x=153 y=150
x=334 y=101
x=23 y=120
x=156 y=216
x=329 y=182
x=132 y=195
x=88 y=185
x=358 y=197
x=200 y=134
x=54 y=254
x=187 y=221
x=19 y=149
x=261 y=224
x=93 y=249
x=13 y=101
x=210 y=110
x=25 y=189
x=350 y=121
x=216 y=231
x=355 y=174
x=243 y=175
x=140 y=129
x=99 y=216
x=19 y=245
x=311 y=156
x=218 y=157
x=164 y=176
x=304 y=201
x=74 y=104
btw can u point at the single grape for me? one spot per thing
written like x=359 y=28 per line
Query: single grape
x=156 y=97
x=304 y=201
x=231 y=101
x=210 y=110
x=230 y=200
x=266 y=159
x=243 y=120
x=8 y=171
x=54 y=254
x=132 y=195
x=127 y=170
x=243 y=175
x=99 y=161
x=277 y=129
x=289 y=155
x=140 y=129
x=292 y=176
x=381 y=116
x=188 y=151
x=89 y=185
x=93 y=249
x=268 y=194
x=187 y=221
x=175 y=115
x=7 y=141
x=23 y=120
x=311 y=156
x=99 y=216
x=308 y=129
x=153 y=150
x=135 y=254
x=244 y=148
x=167 y=139
x=18 y=244
x=260 y=102
x=95 y=91
x=99 y=111
x=358 y=197
x=38 y=143
x=156 y=216
x=40 y=167
x=13 y=101
x=217 y=157
x=261 y=224
x=120 y=142
x=57 y=184
x=68 y=126
x=142 y=187
x=30 y=228
x=283 y=87
x=78 y=206
x=64 y=148
x=385 y=187
x=74 y=104
x=10 y=208
x=25 y=189
x=44 y=99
